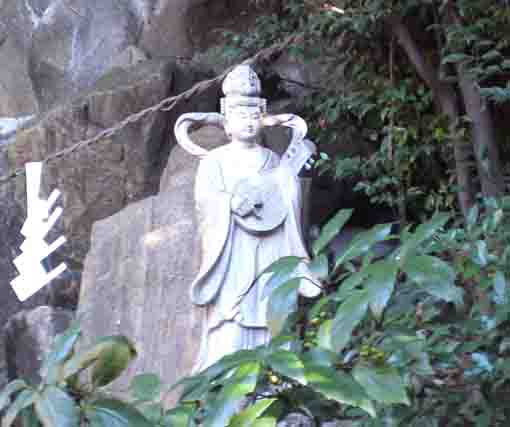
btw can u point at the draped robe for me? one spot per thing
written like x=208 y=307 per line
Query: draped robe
x=233 y=258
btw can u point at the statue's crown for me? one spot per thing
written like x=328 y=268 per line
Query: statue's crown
x=242 y=87
x=241 y=81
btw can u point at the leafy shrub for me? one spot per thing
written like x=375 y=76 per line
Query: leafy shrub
x=67 y=397
x=420 y=337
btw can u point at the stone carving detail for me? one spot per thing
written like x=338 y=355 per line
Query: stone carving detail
x=249 y=211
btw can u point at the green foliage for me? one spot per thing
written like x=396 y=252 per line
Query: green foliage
x=479 y=43
x=420 y=335
x=374 y=95
x=64 y=400
x=419 y=338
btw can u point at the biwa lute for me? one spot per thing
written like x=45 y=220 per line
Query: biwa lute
x=269 y=208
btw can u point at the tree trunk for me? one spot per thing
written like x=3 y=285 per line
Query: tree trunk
x=482 y=127
x=484 y=139
x=446 y=97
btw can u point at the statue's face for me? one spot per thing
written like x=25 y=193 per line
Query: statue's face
x=244 y=123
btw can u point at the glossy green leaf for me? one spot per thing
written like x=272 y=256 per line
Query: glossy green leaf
x=382 y=384
x=472 y=217
x=501 y=291
x=324 y=335
x=232 y=361
x=454 y=58
x=55 y=408
x=424 y=269
x=61 y=350
x=248 y=416
x=114 y=413
x=491 y=55
x=145 y=386
x=9 y=390
x=265 y=422
x=281 y=272
x=288 y=364
x=481 y=255
x=109 y=355
x=338 y=386
x=350 y=313
x=423 y=232
x=228 y=401
x=178 y=417
x=408 y=351
x=435 y=276
x=24 y=399
x=362 y=243
x=319 y=266
x=349 y=284
x=195 y=387
x=319 y=357
x=380 y=285
x=112 y=360
x=152 y=411
x=192 y=388
x=331 y=229
x=282 y=302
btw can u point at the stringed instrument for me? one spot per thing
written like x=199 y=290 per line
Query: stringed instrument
x=269 y=208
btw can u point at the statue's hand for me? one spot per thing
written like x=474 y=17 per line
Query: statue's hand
x=241 y=205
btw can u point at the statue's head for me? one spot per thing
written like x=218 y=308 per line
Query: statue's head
x=242 y=107
x=243 y=113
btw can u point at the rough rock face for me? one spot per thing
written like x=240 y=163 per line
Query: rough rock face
x=29 y=335
x=99 y=180
x=75 y=44
x=139 y=268
x=11 y=220
x=16 y=93
x=53 y=49
x=140 y=265
x=183 y=27
x=3 y=363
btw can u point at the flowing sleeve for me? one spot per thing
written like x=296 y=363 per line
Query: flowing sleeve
x=214 y=218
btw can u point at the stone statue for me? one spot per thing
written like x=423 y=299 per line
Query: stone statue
x=249 y=209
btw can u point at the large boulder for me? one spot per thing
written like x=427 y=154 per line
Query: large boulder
x=101 y=179
x=75 y=44
x=17 y=96
x=139 y=268
x=11 y=220
x=137 y=274
x=3 y=363
x=29 y=336
x=96 y=181
x=184 y=27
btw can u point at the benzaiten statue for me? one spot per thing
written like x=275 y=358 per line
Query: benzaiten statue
x=249 y=207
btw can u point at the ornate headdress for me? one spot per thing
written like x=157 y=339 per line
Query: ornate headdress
x=242 y=87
